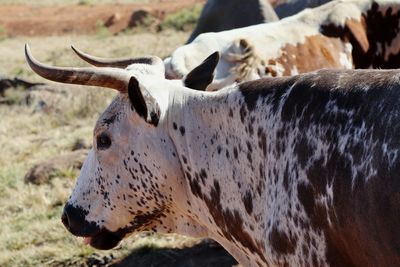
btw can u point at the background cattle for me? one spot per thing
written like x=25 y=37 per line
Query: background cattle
x=221 y=15
x=339 y=34
x=286 y=8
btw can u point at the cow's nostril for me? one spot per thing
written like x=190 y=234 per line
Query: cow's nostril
x=74 y=219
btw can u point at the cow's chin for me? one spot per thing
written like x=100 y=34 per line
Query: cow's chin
x=104 y=239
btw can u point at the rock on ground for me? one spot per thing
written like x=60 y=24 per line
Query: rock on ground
x=43 y=172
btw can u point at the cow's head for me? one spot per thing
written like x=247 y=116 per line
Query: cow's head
x=132 y=179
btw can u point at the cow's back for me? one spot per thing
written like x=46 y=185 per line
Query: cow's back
x=342 y=179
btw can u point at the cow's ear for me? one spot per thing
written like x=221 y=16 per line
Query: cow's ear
x=201 y=76
x=144 y=104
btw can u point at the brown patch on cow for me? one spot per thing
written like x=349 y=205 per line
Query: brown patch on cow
x=271 y=68
x=317 y=52
x=357 y=31
x=231 y=223
x=248 y=202
x=281 y=243
x=370 y=36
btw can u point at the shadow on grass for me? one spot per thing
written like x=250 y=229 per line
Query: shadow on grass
x=204 y=254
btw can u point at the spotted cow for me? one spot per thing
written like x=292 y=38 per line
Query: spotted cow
x=340 y=34
x=286 y=171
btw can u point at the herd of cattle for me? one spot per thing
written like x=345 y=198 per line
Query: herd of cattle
x=339 y=34
x=240 y=137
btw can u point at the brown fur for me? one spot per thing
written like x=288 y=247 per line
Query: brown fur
x=375 y=29
x=316 y=52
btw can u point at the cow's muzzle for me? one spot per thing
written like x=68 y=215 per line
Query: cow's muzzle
x=74 y=220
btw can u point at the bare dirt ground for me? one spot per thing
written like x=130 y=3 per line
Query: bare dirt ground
x=31 y=20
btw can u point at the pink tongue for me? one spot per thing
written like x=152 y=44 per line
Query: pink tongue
x=86 y=240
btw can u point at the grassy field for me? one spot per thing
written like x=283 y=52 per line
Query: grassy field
x=31 y=233
x=57 y=51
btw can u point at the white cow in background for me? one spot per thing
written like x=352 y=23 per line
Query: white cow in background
x=340 y=35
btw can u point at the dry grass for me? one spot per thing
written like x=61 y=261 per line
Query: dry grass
x=56 y=50
x=31 y=233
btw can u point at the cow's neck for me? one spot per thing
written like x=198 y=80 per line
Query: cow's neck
x=223 y=158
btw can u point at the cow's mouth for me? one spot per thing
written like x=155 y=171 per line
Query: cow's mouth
x=74 y=220
x=104 y=239
x=99 y=237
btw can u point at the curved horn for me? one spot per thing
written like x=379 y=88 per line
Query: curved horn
x=105 y=77
x=117 y=62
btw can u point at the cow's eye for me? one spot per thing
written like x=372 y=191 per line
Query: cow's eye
x=103 y=141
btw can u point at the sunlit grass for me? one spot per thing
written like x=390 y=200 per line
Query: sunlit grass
x=183 y=20
x=57 y=51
